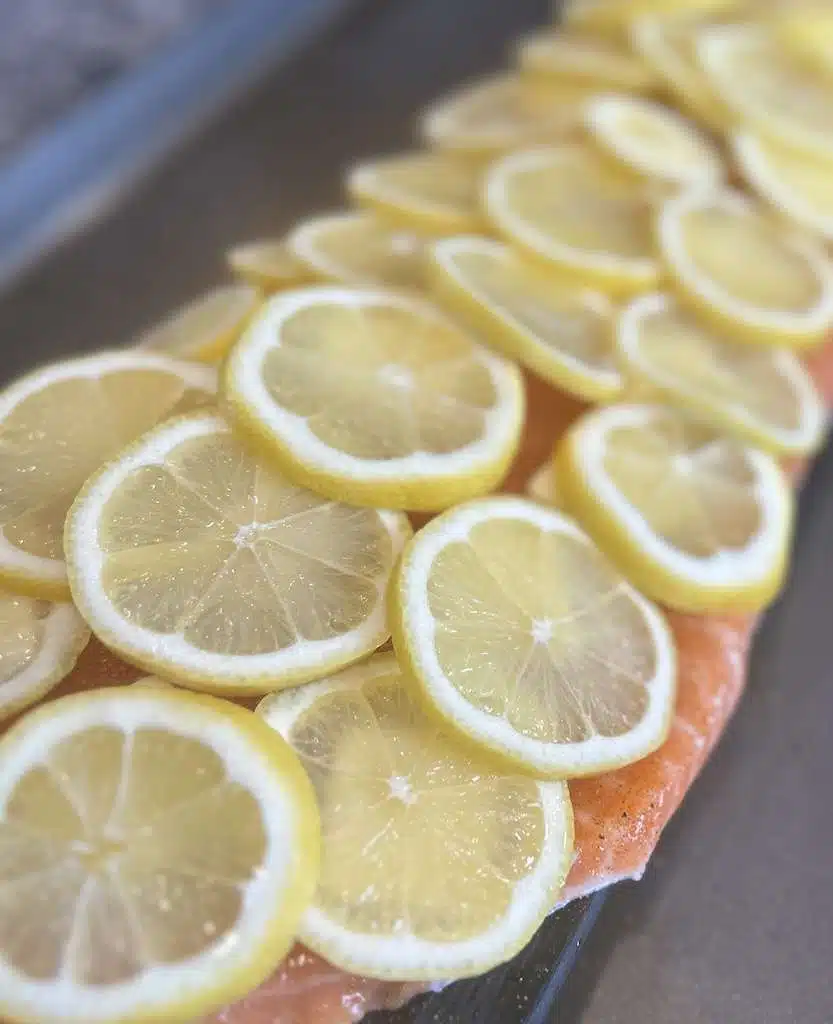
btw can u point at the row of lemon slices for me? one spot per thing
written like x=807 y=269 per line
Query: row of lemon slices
x=224 y=505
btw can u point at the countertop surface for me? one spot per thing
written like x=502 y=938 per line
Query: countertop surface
x=733 y=922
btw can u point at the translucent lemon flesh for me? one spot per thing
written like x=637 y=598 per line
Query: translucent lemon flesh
x=206 y=328
x=267 y=264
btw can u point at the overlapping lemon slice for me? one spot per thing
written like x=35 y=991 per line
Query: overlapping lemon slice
x=430 y=193
x=434 y=865
x=561 y=333
x=194 y=560
x=489 y=117
x=614 y=16
x=694 y=518
x=743 y=271
x=375 y=398
x=574 y=60
x=570 y=208
x=158 y=849
x=40 y=641
x=268 y=264
x=206 y=328
x=763 y=395
x=358 y=249
x=64 y=421
x=795 y=183
x=541 y=485
x=521 y=635
x=653 y=140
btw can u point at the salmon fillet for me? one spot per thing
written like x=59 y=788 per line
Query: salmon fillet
x=619 y=816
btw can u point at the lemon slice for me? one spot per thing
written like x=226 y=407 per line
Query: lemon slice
x=541 y=485
x=568 y=207
x=192 y=559
x=653 y=140
x=58 y=425
x=431 y=193
x=793 y=182
x=434 y=865
x=758 y=78
x=206 y=328
x=554 y=56
x=358 y=249
x=526 y=640
x=491 y=116
x=761 y=394
x=693 y=517
x=614 y=16
x=158 y=849
x=561 y=333
x=267 y=264
x=375 y=398
x=744 y=272
x=669 y=47
x=40 y=642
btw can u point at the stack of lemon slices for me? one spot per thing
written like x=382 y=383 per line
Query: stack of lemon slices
x=225 y=505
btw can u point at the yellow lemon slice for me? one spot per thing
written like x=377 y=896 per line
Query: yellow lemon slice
x=267 y=264
x=525 y=639
x=561 y=333
x=158 y=849
x=489 y=117
x=206 y=328
x=764 y=395
x=375 y=398
x=541 y=485
x=568 y=207
x=58 y=425
x=432 y=193
x=615 y=15
x=693 y=517
x=766 y=85
x=40 y=641
x=358 y=249
x=743 y=271
x=194 y=560
x=653 y=140
x=795 y=183
x=434 y=865
x=598 y=63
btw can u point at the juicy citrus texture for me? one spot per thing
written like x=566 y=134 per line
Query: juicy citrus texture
x=357 y=249
x=158 y=849
x=434 y=865
x=193 y=559
x=561 y=333
x=426 y=192
x=206 y=328
x=524 y=638
x=267 y=264
x=569 y=207
x=763 y=395
x=67 y=420
x=693 y=517
x=375 y=398
x=583 y=60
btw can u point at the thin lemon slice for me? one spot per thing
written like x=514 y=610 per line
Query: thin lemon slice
x=431 y=193
x=526 y=640
x=568 y=207
x=40 y=642
x=489 y=117
x=158 y=849
x=267 y=264
x=616 y=15
x=758 y=78
x=58 y=425
x=761 y=394
x=433 y=865
x=375 y=398
x=693 y=517
x=669 y=47
x=206 y=328
x=195 y=561
x=541 y=485
x=653 y=140
x=793 y=182
x=358 y=249
x=743 y=271
x=554 y=56
x=561 y=333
